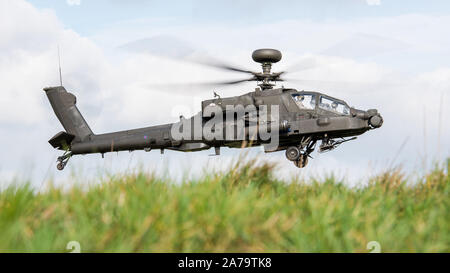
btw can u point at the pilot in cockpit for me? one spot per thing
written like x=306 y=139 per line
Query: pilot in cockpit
x=299 y=101
x=334 y=106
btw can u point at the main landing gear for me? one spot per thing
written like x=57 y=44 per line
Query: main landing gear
x=299 y=154
x=62 y=160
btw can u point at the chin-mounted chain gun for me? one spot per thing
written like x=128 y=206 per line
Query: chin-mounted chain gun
x=330 y=144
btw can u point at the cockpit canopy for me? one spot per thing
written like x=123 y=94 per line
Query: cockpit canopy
x=309 y=101
x=305 y=101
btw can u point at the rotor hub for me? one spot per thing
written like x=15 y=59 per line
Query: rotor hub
x=266 y=57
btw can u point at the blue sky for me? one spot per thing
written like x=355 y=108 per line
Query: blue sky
x=390 y=55
x=90 y=16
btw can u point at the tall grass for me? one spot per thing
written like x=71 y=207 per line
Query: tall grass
x=244 y=209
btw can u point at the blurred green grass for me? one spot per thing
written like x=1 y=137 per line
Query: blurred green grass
x=245 y=209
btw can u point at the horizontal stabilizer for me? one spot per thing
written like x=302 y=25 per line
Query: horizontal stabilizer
x=61 y=140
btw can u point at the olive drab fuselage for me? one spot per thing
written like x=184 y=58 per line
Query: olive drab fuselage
x=298 y=126
x=295 y=121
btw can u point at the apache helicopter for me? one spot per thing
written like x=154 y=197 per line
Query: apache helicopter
x=305 y=117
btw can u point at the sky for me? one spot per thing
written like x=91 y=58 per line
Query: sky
x=116 y=57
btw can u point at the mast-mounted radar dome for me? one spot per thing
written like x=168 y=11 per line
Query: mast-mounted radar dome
x=266 y=55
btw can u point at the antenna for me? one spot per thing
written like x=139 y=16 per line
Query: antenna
x=59 y=65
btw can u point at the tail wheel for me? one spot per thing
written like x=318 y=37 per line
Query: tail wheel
x=302 y=161
x=62 y=160
x=60 y=166
x=292 y=153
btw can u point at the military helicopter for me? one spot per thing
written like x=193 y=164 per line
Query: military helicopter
x=304 y=119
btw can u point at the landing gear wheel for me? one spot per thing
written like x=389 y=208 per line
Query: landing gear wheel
x=302 y=161
x=62 y=160
x=60 y=166
x=292 y=153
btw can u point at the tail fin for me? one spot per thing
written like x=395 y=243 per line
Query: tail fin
x=63 y=104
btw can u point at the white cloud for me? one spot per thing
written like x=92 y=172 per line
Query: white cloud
x=373 y=2
x=28 y=60
x=73 y=2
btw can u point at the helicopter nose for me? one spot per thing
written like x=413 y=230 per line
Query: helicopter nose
x=375 y=119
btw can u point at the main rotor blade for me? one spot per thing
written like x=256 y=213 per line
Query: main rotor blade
x=199 y=85
x=174 y=48
x=205 y=59
x=307 y=63
x=236 y=81
x=224 y=66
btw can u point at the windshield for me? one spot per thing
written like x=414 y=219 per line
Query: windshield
x=305 y=101
x=333 y=106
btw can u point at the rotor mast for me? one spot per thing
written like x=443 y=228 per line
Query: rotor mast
x=266 y=57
